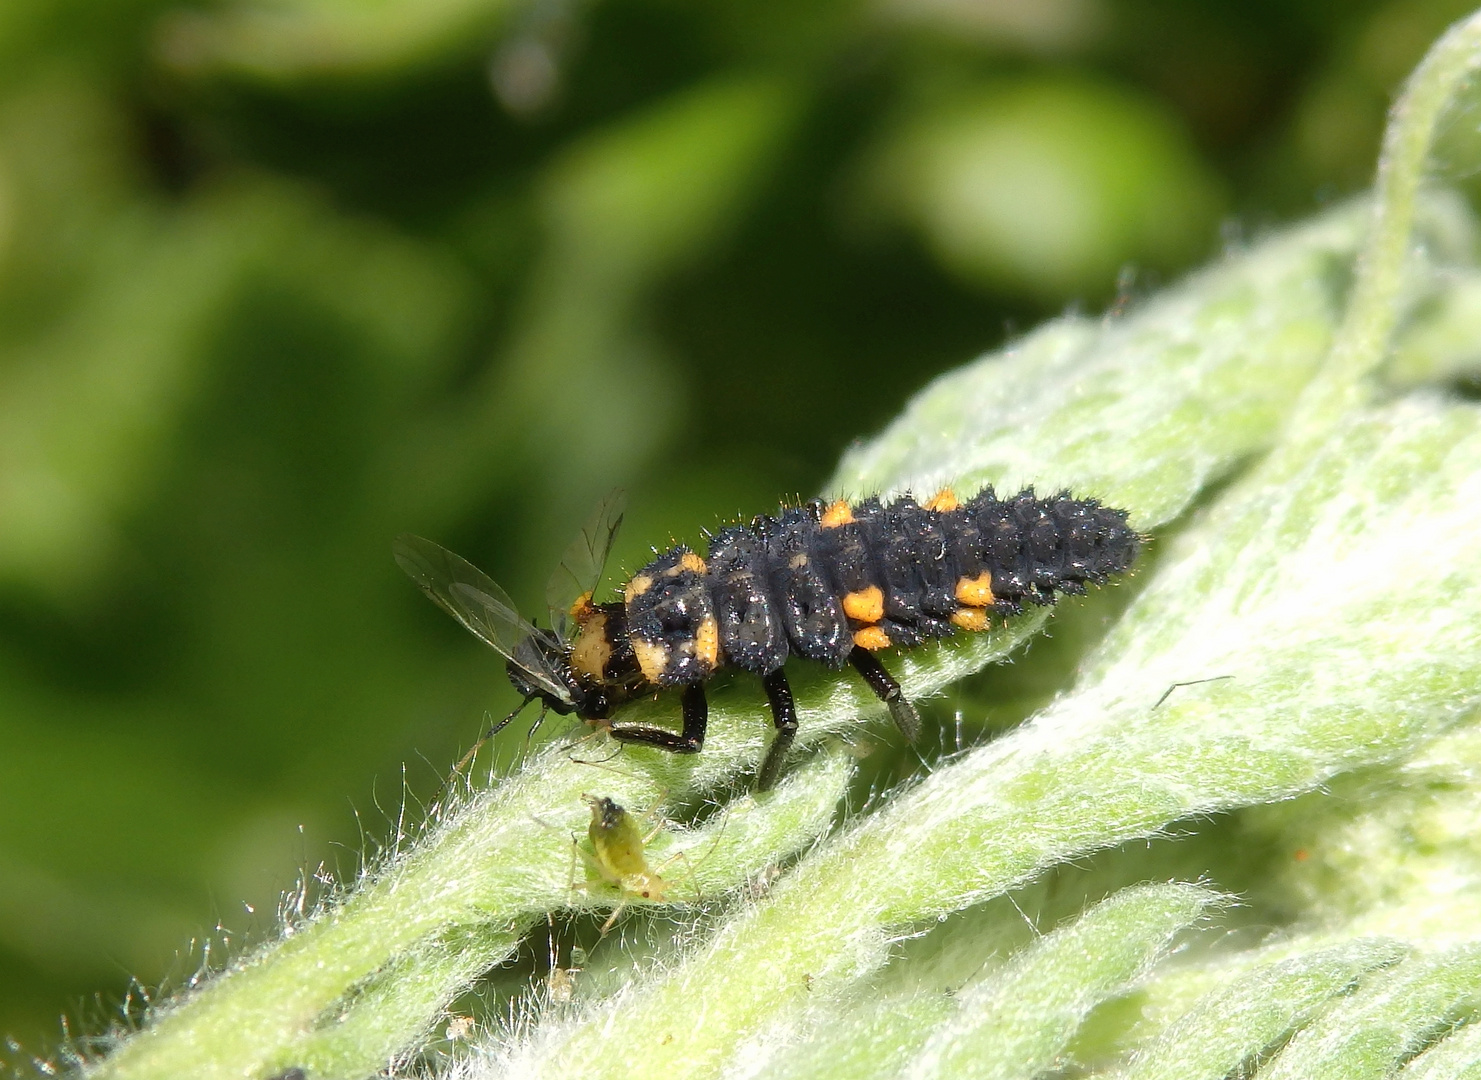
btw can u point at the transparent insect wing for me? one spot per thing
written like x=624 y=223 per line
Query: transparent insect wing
x=580 y=570
x=470 y=596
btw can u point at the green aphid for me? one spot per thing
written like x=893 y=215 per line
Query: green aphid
x=618 y=851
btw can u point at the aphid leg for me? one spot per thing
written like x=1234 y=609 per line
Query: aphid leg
x=690 y=874
x=554 y=957
x=612 y=918
x=594 y=866
x=688 y=878
x=578 y=857
x=657 y=827
x=888 y=690
x=784 y=715
x=696 y=719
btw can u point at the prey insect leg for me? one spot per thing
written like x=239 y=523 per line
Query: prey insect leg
x=784 y=715
x=888 y=691
x=696 y=719
x=493 y=730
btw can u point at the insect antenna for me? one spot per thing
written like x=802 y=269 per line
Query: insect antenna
x=494 y=730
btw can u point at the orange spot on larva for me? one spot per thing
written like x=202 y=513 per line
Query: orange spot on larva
x=839 y=513
x=653 y=659
x=592 y=650
x=637 y=587
x=943 y=501
x=974 y=619
x=871 y=638
x=707 y=643
x=866 y=605
x=975 y=592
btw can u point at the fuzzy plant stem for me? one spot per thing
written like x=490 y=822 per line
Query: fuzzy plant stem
x=1373 y=310
x=348 y=989
x=1327 y=672
x=1274 y=596
x=502 y=857
x=1009 y=1019
x=1455 y=1057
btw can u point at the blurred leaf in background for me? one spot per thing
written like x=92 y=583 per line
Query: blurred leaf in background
x=280 y=280
x=1047 y=186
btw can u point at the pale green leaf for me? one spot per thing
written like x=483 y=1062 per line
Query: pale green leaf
x=1455 y=1057
x=1008 y=1020
x=1235 y=1023
x=1370 y=1034
x=1017 y=1023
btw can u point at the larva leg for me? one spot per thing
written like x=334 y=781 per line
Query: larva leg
x=696 y=719
x=784 y=715
x=888 y=690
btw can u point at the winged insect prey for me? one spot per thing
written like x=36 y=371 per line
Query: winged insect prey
x=581 y=568
x=835 y=583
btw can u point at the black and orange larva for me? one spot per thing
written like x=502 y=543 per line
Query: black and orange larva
x=835 y=583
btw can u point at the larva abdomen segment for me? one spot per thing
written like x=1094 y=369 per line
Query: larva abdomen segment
x=818 y=581
x=751 y=635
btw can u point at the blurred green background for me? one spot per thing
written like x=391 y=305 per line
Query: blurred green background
x=279 y=280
